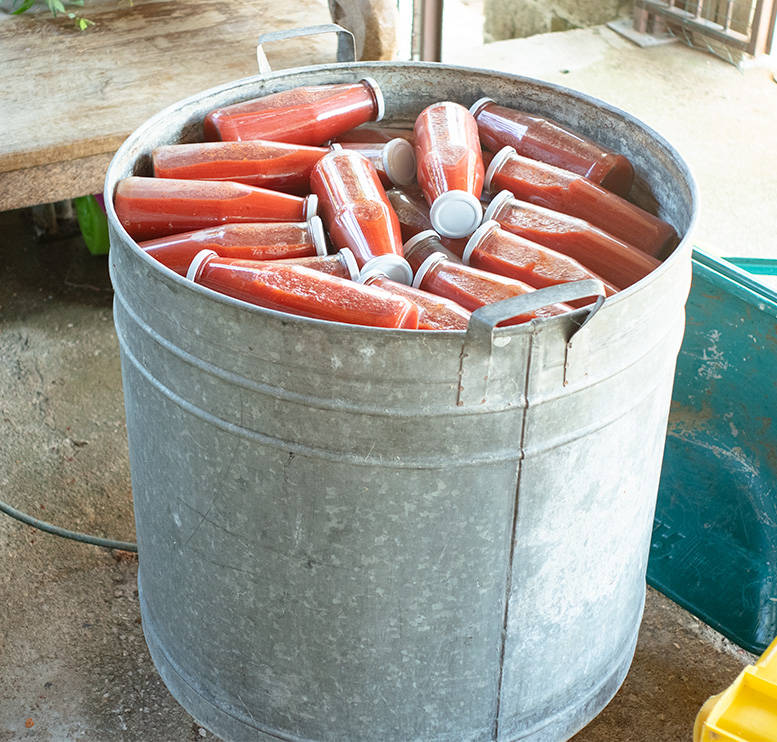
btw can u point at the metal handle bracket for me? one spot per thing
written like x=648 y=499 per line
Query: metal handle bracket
x=346 y=45
x=479 y=340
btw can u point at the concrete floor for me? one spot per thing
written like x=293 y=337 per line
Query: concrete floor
x=73 y=661
x=722 y=120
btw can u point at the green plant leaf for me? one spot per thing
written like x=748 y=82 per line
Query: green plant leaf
x=24 y=7
x=55 y=6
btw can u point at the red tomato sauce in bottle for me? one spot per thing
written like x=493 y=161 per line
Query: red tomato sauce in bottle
x=309 y=115
x=450 y=167
x=565 y=191
x=251 y=241
x=547 y=140
x=419 y=247
x=394 y=161
x=374 y=134
x=157 y=207
x=341 y=264
x=434 y=312
x=278 y=166
x=616 y=262
x=473 y=288
x=302 y=291
x=357 y=212
x=493 y=249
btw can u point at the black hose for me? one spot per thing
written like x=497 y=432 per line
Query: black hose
x=65 y=533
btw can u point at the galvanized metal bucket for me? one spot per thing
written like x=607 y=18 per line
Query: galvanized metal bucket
x=349 y=534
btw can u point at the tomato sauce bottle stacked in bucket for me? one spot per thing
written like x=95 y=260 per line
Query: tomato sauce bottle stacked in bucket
x=299 y=202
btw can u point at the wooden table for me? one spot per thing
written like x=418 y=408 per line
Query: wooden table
x=68 y=99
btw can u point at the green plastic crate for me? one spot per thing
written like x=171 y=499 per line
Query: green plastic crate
x=714 y=546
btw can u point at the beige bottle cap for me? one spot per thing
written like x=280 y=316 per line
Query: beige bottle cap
x=496 y=202
x=373 y=84
x=496 y=162
x=317 y=234
x=478 y=105
x=426 y=266
x=198 y=261
x=476 y=239
x=399 y=161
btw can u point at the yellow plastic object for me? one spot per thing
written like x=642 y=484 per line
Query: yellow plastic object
x=747 y=710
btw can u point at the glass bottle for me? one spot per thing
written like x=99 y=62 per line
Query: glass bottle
x=493 y=249
x=434 y=312
x=357 y=213
x=279 y=166
x=309 y=115
x=562 y=190
x=341 y=264
x=547 y=140
x=251 y=241
x=374 y=134
x=419 y=247
x=413 y=214
x=394 y=161
x=616 y=262
x=450 y=167
x=157 y=207
x=473 y=288
x=285 y=287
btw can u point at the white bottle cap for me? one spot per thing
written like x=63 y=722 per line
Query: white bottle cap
x=456 y=213
x=317 y=234
x=420 y=237
x=476 y=107
x=496 y=202
x=365 y=276
x=378 y=96
x=496 y=162
x=399 y=161
x=476 y=238
x=350 y=262
x=311 y=206
x=198 y=261
x=392 y=266
x=426 y=266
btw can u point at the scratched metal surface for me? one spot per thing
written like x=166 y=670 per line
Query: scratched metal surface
x=353 y=534
x=714 y=546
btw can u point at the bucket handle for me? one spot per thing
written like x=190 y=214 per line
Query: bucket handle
x=346 y=46
x=479 y=340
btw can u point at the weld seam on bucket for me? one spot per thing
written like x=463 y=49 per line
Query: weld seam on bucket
x=514 y=529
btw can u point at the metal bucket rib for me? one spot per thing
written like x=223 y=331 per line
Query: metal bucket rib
x=355 y=534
